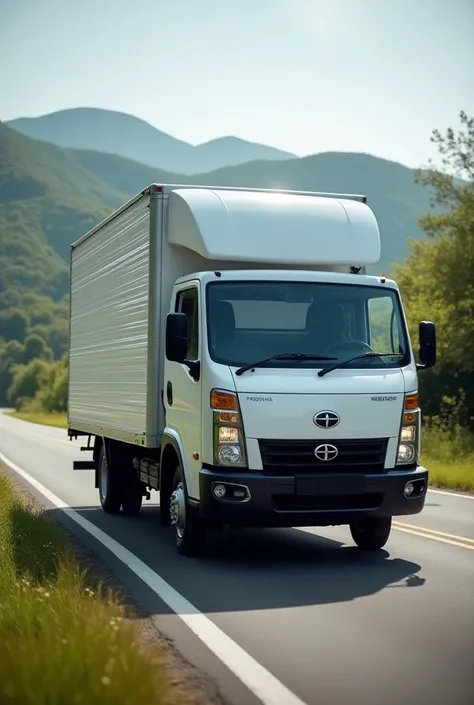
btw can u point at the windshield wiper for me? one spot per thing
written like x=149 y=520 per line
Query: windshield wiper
x=282 y=356
x=369 y=355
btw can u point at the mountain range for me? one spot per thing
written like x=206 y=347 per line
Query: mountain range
x=51 y=195
x=127 y=136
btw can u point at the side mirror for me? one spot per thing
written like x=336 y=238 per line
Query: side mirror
x=427 y=338
x=176 y=337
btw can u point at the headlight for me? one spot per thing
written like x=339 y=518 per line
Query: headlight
x=228 y=434
x=229 y=443
x=229 y=455
x=408 y=433
x=406 y=453
x=409 y=437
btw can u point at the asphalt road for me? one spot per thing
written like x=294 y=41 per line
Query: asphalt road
x=330 y=623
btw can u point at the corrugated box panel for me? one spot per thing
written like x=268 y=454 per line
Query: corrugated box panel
x=109 y=324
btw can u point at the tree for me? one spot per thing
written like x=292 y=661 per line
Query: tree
x=27 y=380
x=13 y=324
x=10 y=298
x=11 y=354
x=437 y=278
x=35 y=347
x=52 y=395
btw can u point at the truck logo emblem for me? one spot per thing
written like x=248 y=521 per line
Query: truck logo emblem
x=326 y=452
x=326 y=419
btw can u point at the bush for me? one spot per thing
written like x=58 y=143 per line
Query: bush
x=39 y=386
x=445 y=442
x=27 y=380
x=447 y=449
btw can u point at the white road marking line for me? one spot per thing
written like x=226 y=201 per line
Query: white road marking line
x=263 y=684
x=452 y=494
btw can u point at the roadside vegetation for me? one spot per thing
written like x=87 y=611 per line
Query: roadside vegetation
x=448 y=453
x=59 y=420
x=61 y=641
x=436 y=281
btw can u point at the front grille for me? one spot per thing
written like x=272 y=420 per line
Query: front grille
x=280 y=457
x=308 y=503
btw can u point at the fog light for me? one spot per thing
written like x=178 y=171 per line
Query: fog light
x=408 y=491
x=219 y=491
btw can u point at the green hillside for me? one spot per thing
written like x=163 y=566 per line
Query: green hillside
x=47 y=199
x=123 y=175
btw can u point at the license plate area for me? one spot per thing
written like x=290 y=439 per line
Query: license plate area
x=330 y=485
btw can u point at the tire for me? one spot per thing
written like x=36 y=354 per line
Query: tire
x=189 y=529
x=132 y=497
x=110 y=487
x=371 y=534
x=165 y=493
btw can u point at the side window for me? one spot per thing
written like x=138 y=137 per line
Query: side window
x=384 y=333
x=187 y=302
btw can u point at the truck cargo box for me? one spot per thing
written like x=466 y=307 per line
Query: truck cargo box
x=110 y=326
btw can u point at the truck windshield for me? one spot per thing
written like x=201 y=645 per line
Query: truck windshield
x=250 y=321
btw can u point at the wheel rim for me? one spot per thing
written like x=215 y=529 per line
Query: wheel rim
x=103 y=479
x=177 y=510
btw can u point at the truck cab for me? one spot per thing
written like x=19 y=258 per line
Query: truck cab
x=293 y=397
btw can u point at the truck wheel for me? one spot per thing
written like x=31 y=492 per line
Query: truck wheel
x=189 y=528
x=109 y=486
x=372 y=533
x=132 y=497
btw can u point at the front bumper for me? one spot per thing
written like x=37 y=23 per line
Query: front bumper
x=311 y=500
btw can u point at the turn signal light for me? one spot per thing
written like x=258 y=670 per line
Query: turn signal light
x=223 y=401
x=412 y=402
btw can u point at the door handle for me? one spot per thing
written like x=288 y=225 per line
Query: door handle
x=169 y=393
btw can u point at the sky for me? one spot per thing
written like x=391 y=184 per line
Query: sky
x=306 y=76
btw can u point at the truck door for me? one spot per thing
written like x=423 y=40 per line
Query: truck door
x=182 y=393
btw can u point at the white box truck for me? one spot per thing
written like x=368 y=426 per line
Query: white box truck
x=228 y=350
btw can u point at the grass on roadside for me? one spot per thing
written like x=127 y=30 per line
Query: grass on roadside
x=39 y=417
x=449 y=456
x=59 y=641
x=454 y=476
x=448 y=453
